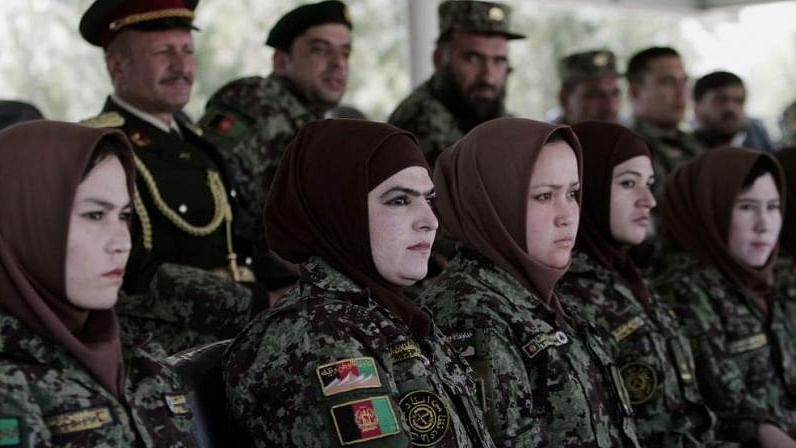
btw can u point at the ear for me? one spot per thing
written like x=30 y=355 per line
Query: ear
x=439 y=59
x=280 y=61
x=113 y=63
x=635 y=90
x=563 y=94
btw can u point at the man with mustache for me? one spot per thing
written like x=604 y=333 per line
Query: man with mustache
x=183 y=203
x=253 y=119
x=468 y=86
x=720 y=120
x=589 y=87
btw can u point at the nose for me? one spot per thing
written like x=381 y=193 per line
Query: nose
x=647 y=199
x=120 y=241
x=182 y=62
x=567 y=213
x=427 y=220
x=492 y=71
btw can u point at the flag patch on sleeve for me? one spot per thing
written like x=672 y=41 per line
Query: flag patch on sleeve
x=363 y=420
x=347 y=375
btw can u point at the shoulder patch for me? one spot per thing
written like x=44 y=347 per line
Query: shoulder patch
x=362 y=420
x=78 y=421
x=640 y=381
x=106 y=120
x=463 y=341
x=543 y=341
x=177 y=404
x=405 y=351
x=10 y=431
x=226 y=124
x=427 y=417
x=747 y=344
x=347 y=375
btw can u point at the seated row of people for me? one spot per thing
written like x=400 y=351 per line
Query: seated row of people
x=526 y=344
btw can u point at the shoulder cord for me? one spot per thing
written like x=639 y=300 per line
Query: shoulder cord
x=223 y=212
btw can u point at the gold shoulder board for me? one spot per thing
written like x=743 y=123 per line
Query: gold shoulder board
x=106 y=120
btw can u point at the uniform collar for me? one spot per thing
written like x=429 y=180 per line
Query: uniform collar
x=149 y=118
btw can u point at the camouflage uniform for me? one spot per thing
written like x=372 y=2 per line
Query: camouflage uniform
x=422 y=114
x=252 y=120
x=744 y=361
x=328 y=367
x=184 y=308
x=669 y=152
x=543 y=382
x=655 y=359
x=48 y=399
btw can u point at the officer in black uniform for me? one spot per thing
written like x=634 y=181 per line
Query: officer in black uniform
x=183 y=205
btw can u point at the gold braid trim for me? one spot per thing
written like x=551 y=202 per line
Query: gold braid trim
x=143 y=216
x=152 y=15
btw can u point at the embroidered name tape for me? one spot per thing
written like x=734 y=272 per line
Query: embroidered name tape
x=748 y=344
x=626 y=329
x=77 y=421
x=405 y=351
x=543 y=341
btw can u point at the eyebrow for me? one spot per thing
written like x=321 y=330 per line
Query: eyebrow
x=757 y=201
x=633 y=172
x=555 y=186
x=318 y=40
x=104 y=204
x=410 y=191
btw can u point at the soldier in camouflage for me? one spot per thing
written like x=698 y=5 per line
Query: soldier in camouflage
x=469 y=83
x=589 y=87
x=545 y=377
x=606 y=288
x=253 y=119
x=721 y=289
x=344 y=358
x=65 y=377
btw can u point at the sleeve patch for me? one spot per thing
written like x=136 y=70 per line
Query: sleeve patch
x=347 y=375
x=363 y=420
x=10 y=432
x=77 y=421
x=543 y=341
x=177 y=404
x=463 y=341
x=405 y=351
x=227 y=125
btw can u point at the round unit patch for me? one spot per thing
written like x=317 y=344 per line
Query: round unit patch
x=427 y=417
x=640 y=381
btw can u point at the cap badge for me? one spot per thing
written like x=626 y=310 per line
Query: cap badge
x=496 y=14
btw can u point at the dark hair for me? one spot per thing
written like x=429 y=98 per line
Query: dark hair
x=764 y=165
x=108 y=146
x=639 y=63
x=715 y=80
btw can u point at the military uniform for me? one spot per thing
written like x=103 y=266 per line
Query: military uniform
x=329 y=367
x=670 y=152
x=252 y=120
x=185 y=307
x=654 y=357
x=47 y=398
x=744 y=360
x=543 y=382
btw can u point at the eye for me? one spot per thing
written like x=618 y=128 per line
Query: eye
x=628 y=183
x=572 y=194
x=775 y=206
x=745 y=207
x=93 y=216
x=126 y=216
x=543 y=197
x=431 y=198
x=398 y=201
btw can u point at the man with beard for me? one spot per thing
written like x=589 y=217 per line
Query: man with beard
x=469 y=83
x=253 y=119
x=589 y=87
x=183 y=212
x=720 y=120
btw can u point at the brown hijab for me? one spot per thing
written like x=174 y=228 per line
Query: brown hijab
x=318 y=202
x=604 y=146
x=482 y=195
x=41 y=165
x=787 y=240
x=697 y=208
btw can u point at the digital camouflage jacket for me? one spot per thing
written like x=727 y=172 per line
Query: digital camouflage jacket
x=543 y=381
x=48 y=399
x=329 y=367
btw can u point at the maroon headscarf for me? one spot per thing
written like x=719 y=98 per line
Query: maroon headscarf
x=606 y=145
x=318 y=203
x=41 y=165
x=697 y=209
x=482 y=195
x=787 y=240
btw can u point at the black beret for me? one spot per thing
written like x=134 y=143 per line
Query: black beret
x=715 y=80
x=104 y=19
x=294 y=23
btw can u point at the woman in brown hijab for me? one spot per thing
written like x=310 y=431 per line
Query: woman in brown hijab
x=722 y=215
x=606 y=288
x=64 y=240
x=345 y=357
x=509 y=192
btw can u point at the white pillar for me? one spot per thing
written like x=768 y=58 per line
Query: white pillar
x=423 y=29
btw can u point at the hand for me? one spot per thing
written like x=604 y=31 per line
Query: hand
x=771 y=436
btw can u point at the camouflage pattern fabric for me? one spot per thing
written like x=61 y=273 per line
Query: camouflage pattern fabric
x=48 y=399
x=543 y=382
x=785 y=276
x=328 y=367
x=428 y=119
x=251 y=121
x=744 y=361
x=653 y=356
x=184 y=308
x=669 y=152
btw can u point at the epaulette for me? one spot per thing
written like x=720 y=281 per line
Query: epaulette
x=106 y=120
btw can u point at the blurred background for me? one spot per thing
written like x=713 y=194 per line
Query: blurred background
x=43 y=60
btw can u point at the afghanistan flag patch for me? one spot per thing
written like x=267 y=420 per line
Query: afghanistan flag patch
x=347 y=375
x=363 y=420
x=10 y=431
x=227 y=125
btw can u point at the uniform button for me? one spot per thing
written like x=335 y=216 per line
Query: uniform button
x=248 y=261
x=183 y=209
x=233 y=193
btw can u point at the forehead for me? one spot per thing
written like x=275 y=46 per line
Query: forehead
x=107 y=177
x=335 y=33
x=413 y=177
x=731 y=90
x=665 y=66
x=144 y=39
x=483 y=43
x=606 y=82
x=764 y=187
x=641 y=164
x=555 y=164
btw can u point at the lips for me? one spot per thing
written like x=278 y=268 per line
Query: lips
x=421 y=246
x=116 y=273
x=565 y=242
x=642 y=221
